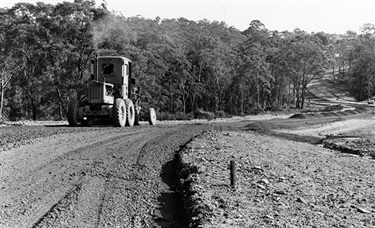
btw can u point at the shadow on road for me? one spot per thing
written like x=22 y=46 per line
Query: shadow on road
x=171 y=212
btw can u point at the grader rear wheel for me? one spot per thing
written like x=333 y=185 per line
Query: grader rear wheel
x=130 y=112
x=73 y=113
x=119 y=113
x=151 y=116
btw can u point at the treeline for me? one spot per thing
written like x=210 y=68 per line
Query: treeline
x=182 y=65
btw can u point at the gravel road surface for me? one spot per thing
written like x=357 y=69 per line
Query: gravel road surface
x=58 y=176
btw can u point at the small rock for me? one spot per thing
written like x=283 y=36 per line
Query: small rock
x=362 y=210
x=268 y=217
x=300 y=200
x=261 y=186
x=281 y=204
x=265 y=181
x=238 y=189
x=202 y=169
x=280 y=192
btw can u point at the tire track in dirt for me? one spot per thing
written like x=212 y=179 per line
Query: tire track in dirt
x=31 y=193
x=86 y=204
x=74 y=180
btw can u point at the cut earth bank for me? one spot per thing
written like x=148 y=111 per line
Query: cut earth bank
x=285 y=177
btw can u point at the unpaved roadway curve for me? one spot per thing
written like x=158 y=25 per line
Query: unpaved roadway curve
x=102 y=177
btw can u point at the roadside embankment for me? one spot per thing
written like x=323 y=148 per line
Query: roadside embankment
x=279 y=183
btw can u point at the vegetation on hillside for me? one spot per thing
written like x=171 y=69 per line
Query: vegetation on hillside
x=181 y=65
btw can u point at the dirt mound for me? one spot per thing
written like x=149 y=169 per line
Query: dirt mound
x=350 y=112
x=299 y=116
x=290 y=123
x=262 y=126
x=329 y=111
x=201 y=114
x=333 y=108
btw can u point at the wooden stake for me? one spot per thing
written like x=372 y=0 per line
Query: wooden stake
x=232 y=174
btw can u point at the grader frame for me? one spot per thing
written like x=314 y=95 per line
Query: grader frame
x=112 y=95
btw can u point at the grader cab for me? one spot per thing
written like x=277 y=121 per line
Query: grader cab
x=113 y=95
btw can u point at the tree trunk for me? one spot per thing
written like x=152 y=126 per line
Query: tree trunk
x=184 y=104
x=60 y=112
x=257 y=85
x=242 y=102
x=2 y=98
x=279 y=98
x=297 y=97
x=33 y=108
x=61 y=101
x=303 y=97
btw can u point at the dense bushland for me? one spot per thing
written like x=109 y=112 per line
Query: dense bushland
x=182 y=66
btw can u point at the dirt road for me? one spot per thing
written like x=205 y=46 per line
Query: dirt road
x=90 y=177
x=57 y=176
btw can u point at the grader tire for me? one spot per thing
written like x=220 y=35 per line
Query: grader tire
x=151 y=116
x=72 y=113
x=119 y=113
x=130 y=113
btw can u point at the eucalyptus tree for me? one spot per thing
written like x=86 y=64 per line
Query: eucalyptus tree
x=254 y=78
x=307 y=61
x=362 y=81
x=7 y=65
x=51 y=45
x=25 y=43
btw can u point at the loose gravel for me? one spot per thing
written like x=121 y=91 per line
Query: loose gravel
x=60 y=176
x=279 y=183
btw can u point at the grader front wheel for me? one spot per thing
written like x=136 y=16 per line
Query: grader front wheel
x=119 y=113
x=151 y=116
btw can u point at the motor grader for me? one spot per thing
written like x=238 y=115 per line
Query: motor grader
x=112 y=95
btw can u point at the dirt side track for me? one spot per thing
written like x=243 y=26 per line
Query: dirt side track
x=101 y=177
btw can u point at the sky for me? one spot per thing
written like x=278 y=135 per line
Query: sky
x=330 y=16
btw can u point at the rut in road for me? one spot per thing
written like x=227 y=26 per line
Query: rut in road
x=114 y=182
x=36 y=189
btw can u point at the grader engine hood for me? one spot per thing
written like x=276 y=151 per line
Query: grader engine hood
x=100 y=93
